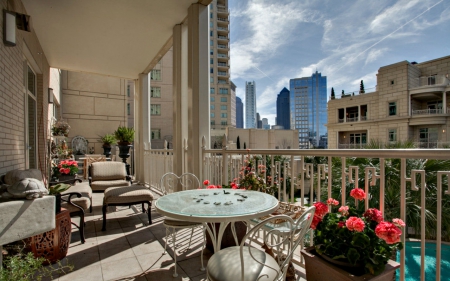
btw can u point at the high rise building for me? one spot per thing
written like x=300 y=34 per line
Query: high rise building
x=239 y=113
x=222 y=101
x=308 y=102
x=265 y=124
x=283 y=112
x=258 y=121
x=250 y=105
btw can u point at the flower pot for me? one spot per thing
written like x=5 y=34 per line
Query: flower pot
x=67 y=177
x=107 y=151
x=318 y=269
x=228 y=238
x=124 y=153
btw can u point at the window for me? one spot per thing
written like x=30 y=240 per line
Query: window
x=392 y=82
x=223 y=91
x=213 y=122
x=155 y=75
x=128 y=109
x=211 y=24
x=211 y=79
x=211 y=61
x=431 y=80
x=358 y=138
x=223 y=123
x=155 y=92
x=211 y=43
x=213 y=115
x=212 y=70
x=212 y=90
x=128 y=90
x=156 y=134
x=211 y=15
x=223 y=99
x=213 y=107
x=223 y=107
x=212 y=99
x=155 y=109
x=392 y=108
x=392 y=134
x=223 y=115
x=211 y=52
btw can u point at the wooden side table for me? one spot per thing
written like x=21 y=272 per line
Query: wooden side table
x=54 y=244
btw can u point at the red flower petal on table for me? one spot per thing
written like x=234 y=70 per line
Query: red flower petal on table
x=389 y=232
x=355 y=224
x=358 y=194
x=332 y=201
x=206 y=182
x=321 y=209
x=211 y=187
x=373 y=215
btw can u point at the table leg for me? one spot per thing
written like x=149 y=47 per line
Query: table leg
x=216 y=237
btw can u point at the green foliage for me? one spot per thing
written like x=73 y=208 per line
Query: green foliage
x=332 y=93
x=361 y=87
x=124 y=135
x=108 y=139
x=60 y=187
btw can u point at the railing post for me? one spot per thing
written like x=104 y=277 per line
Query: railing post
x=224 y=160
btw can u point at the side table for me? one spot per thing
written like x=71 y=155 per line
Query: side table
x=54 y=244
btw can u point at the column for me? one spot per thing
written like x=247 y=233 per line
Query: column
x=198 y=85
x=180 y=95
x=359 y=113
x=444 y=102
x=345 y=114
x=142 y=88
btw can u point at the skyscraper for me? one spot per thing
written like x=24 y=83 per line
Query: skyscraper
x=258 y=121
x=308 y=102
x=250 y=105
x=239 y=113
x=283 y=112
x=265 y=124
x=222 y=111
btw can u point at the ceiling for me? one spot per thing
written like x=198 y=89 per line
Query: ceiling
x=110 y=37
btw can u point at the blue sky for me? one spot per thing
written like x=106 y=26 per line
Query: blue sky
x=273 y=41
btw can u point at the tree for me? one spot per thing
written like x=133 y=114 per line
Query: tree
x=332 y=93
x=245 y=146
x=361 y=87
x=342 y=92
x=238 y=143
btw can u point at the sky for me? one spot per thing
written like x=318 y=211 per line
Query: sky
x=273 y=41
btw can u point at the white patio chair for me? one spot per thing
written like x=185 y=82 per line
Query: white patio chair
x=255 y=264
x=168 y=183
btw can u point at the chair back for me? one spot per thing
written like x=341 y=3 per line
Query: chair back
x=104 y=171
x=170 y=181
x=92 y=159
x=281 y=240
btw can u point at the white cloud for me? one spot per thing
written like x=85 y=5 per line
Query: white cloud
x=374 y=54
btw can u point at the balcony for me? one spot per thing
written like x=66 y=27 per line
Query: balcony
x=222 y=19
x=222 y=73
x=221 y=37
x=220 y=46
x=222 y=81
x=222 y=64
x=429 y=84
x=427 y=111
x=222 y=56
x=222 y=10
x=221 y=28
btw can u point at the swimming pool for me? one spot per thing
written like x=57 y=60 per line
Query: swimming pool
x=412 y=260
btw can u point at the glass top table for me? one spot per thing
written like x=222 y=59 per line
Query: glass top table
x=222 y=206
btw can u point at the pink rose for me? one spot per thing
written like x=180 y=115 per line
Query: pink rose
x=399 y=222
x=358 y=194
x=373 y=215
x=343 y=210
x=389 y=232
x=321 y=209
x=332 y=201
x=355 y=224
x=206 y=182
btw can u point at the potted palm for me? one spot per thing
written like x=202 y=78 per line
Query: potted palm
x=107 y=140
x=125 y=137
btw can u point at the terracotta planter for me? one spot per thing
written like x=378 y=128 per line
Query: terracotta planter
x=228 y=238
x=318 y=269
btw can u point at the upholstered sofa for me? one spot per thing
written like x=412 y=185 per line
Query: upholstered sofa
x=103 y=175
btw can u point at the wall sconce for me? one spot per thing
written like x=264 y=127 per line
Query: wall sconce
x=443 y=131
x=9 y=28
x=344 y=136
x=50 y=95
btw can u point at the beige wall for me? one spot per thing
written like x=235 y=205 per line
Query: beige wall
x=394 y=84
x=264 y=139
x=13 y=96
x=93 y=105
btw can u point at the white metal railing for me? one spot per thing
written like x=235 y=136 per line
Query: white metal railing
x=222 y=56
x=302 y=169
x=220 y=46
x=222 y=19
x=222 y=82
x=222 y=28
x=222 y=10
x=353 y=119
x=222 y=73
x=157 y=162
x=427 y=111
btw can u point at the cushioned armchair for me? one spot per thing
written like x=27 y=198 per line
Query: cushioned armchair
x=103 y=175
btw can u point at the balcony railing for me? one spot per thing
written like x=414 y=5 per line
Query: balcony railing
x=434 y=80
x=222 y=10
x=222 y=64
x=353 y=119
x=310 y=175
x=222 y=73
x=427 y=111
x=222 y=81
x=222 y=28
x=222 y=56
x=222 y=37
x=355 y=93
x=222 y=19
x=220 y=46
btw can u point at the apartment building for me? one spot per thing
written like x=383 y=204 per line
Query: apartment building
x=250 y=105
x=411 y=102
x=222 y=111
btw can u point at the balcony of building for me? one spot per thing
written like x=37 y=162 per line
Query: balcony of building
x=352 y=114
x=222 y=30
x=222 y=65
x=429 y=108
x=429 y=84
x=222 y=46
x=222 y=38
x=222 y=11
x=222 y=56
x=223 y=73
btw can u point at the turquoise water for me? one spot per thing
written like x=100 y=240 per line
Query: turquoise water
x=412 y=260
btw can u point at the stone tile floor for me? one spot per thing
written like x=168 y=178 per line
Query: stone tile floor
x=130 y=249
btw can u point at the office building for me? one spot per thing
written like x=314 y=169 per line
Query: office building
x=410 y=103
x=283 y=112
x=265 y=124
x=250 y=105
x=258 y=121
x=239 y=113
x=308 y=102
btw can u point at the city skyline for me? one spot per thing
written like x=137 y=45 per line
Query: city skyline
x=347 y=42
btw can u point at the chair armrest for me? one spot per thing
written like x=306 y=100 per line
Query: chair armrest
x=90 y=180
x=69 y=200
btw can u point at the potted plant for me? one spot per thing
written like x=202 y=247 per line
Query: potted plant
x=124 y=136
x=66 y=170
x=350 y=240
x=107 y=140
x=60 y=128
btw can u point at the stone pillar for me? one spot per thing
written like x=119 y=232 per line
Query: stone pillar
x=359 y=113
x=444 y=102
x=180 y=95
x=345 y=114
x=144 y=137
x=198 y=85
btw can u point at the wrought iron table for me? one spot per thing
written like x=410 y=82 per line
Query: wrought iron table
x=213 y=206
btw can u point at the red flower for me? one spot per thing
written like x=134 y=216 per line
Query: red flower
x=373 y=215
x=332 y=201
x=206 y=182
x=358 y=194
x=316 y=220
x=343 y=210
x=355 y=224
x=399 y=222
x=233 y=185
x=389 y=232
x=341 y=224
x=211 y=187
x=321 y=209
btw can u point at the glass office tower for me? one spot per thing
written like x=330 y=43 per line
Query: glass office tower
x=308 y=106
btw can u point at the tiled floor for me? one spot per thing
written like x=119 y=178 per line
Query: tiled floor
x=131 y=249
